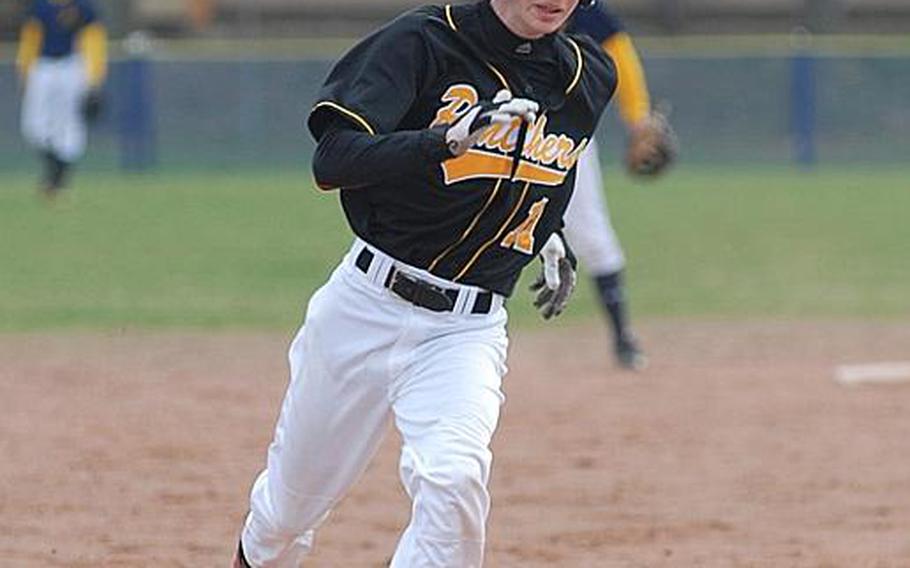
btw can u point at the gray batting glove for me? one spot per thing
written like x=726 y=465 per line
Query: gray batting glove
x=557 y=279
x=462 y=135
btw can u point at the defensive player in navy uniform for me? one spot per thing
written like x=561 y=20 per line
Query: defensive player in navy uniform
x=651 y=149
x=453 y=135
x=62 y=64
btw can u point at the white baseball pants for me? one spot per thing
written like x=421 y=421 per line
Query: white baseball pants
x=363 y=357
x=588 y=228
x=52 y=107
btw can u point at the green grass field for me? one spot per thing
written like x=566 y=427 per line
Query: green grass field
x=246 y=249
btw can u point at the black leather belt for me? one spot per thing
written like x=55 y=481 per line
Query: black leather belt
x=420 y=292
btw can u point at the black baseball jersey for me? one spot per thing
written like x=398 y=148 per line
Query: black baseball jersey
x=478 y=218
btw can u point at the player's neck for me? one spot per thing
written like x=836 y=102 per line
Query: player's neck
x=506 y=12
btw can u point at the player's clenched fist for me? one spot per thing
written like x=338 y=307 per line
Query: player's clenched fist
x=502 y=110
x=557 y=278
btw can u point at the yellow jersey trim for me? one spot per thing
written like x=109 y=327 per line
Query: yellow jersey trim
x=449 y=17
x=500 y=76
x=470 y=228
x=578 y=68
x=486 y=245
x=348 y=113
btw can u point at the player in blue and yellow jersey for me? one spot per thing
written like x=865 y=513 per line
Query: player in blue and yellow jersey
x=588 y=226
x=62 y=65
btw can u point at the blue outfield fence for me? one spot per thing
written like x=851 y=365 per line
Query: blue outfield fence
x=223 y=111
x=135 y=114
x=803 y=94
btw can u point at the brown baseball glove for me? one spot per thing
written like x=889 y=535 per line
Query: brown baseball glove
x=652 y=146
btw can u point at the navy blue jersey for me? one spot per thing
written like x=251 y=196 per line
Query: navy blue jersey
x=61 y=21
x=598 y=22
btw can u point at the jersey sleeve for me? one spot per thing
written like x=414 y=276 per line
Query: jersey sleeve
x=374 y=85
x=598 y=22
x=599 y=77
x=93 y=45
x=633 y=96
x=30 y=40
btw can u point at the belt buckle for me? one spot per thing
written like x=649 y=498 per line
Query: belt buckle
x=421 y=293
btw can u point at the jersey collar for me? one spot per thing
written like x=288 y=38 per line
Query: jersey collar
x=501 y=39
x=481 y=24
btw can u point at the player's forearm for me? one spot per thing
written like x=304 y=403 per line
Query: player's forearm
x=352 y=158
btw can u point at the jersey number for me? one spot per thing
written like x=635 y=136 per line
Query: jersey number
x=521 y=238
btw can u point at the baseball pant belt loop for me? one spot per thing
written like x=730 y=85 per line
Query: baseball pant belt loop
x=439 y=296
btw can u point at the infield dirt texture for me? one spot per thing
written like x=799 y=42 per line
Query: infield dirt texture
x=736 y=449
x=142 y=361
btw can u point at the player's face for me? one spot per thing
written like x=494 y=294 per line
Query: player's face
x=534 y=18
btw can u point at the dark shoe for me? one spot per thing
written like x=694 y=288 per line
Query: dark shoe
x=629 y=355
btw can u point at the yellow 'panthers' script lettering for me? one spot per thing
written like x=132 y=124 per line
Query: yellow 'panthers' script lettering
x=460 y=99
x=491 y=155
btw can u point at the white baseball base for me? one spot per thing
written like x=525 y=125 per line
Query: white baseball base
x=873 y=373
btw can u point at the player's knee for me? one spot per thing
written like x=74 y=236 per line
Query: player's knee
x=455 y=497
x=284 y=514
x=293 y=517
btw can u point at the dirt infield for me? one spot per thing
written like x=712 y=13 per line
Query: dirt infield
x=735 y=449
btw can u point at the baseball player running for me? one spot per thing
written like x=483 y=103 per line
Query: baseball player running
x=62 y=64
x=453 y=134
x=652 y=148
